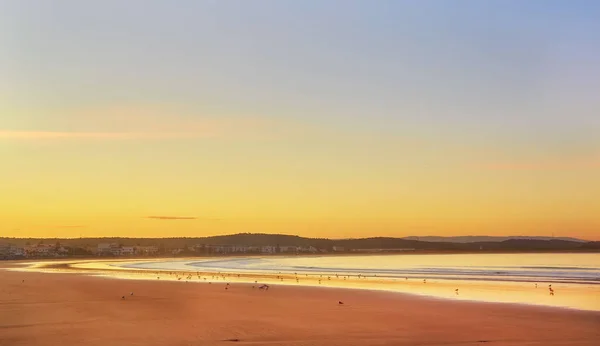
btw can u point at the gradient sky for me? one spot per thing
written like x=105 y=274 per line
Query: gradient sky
x=318 y=118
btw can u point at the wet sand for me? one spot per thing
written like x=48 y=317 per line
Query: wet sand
x=75 y=309
x=578 y=296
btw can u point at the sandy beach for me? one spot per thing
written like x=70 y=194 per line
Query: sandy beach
x=75 y=309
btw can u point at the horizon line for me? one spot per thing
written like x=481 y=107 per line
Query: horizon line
x=299 y=236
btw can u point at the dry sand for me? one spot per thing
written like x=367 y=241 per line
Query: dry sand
x=74 y=309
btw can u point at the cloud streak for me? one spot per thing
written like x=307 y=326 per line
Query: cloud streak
x=554 y=165
x=171 y=217
x=61 y=135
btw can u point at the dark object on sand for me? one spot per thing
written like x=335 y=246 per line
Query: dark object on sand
x=263 y=287
x=123 y=297
x=341 y=302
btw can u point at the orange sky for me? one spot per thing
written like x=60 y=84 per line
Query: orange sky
x=373 y=120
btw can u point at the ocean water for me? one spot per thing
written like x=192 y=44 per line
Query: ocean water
x=507 y=278
x=534 y=268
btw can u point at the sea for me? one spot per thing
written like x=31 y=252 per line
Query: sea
x=565 y=280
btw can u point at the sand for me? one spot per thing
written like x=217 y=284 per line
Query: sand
x=76 y=309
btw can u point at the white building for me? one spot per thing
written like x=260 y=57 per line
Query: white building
x=268 y=249
x=146 y=250
x=108 y=249
x=288 y=249
x=11 y=251
x=308 y=249
x=176 y=251
x=17 y=251
x=41 y=250
x=127 y=250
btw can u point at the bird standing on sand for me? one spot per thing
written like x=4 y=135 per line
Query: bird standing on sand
x=456 y=291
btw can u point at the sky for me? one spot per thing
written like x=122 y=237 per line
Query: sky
x=317 y=118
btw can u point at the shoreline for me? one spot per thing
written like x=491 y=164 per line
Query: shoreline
x=573 y=297
x=36 y=311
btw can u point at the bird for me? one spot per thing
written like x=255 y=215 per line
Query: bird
x=131 y=293
x=340 y=302
x=456 y=291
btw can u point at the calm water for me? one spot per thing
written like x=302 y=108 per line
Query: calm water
x=557 y=268
x=512 y=278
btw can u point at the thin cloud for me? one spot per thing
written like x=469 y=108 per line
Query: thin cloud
x=171 y=217
x=60 y=135
x=557 y=165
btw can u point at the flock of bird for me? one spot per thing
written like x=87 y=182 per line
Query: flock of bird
x=224 y=276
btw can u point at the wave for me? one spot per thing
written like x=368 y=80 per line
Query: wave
x=518 y=273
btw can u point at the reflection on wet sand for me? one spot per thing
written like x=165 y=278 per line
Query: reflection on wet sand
x=578 y=296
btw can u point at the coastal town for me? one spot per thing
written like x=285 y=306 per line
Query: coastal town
x=57 y=250
x=269 y=244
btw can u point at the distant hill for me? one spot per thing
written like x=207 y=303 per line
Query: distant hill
x=475 y=239
x=521 y=244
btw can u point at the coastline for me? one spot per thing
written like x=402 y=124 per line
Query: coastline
x=34 y=312
x=577 y=297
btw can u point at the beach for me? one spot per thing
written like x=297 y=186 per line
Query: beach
x=76 y=309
